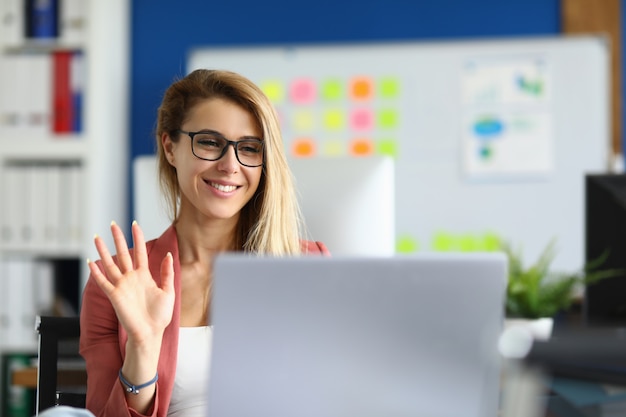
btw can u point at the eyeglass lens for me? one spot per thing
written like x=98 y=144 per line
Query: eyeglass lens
x=212 y=147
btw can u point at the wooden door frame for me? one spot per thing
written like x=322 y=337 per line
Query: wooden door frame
x=601 y=16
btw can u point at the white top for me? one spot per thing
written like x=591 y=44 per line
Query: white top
x=189 y=397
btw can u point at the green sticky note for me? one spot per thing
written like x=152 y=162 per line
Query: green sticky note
x=332 y=89
x=389 y=87
x=406 y=244
x=468 y=243
x=388 y=147
x=492 y=242
x=334 y=119
x=443 y=242
x=388 y=118
x=274 y=90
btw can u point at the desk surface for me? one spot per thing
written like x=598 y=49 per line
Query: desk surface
x=27 y=377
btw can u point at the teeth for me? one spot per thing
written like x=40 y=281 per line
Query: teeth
x=224 y=188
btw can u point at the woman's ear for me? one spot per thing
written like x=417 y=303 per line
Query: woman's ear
x=168 y=147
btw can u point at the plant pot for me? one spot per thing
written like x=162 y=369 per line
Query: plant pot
x=540 y=329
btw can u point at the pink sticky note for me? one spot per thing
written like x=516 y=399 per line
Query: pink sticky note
x=362 y=119
x=302 y=91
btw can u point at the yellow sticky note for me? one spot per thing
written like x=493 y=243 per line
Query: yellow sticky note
x=274 y=90
x=334 y=119
x=303 y=120
x=334 y=147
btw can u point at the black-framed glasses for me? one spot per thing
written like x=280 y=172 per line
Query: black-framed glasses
x=211 y=146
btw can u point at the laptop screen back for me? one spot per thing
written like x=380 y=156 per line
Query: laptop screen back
x=313 y=336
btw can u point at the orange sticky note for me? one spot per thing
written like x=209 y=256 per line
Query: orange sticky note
x=361 y=147
x=303 y=147
x=361 y=88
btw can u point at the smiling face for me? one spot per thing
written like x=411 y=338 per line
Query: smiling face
x=214 y=189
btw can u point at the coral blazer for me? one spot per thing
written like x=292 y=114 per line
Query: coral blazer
x=103 y=340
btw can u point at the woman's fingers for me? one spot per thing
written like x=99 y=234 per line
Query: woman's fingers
x=125 y=262
x=109 y=264
x=167 y=274
x=105 y=285
x=139 y=243
x=152 y=304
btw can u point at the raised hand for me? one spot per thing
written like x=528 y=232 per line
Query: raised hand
x=143 y=308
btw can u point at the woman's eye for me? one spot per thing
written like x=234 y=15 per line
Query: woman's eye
x=209 y=142
x=250 y=149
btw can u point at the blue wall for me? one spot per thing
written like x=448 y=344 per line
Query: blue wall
x=163 y=31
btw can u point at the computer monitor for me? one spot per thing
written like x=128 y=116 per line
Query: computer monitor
x=149 y=206
x=348 y=203
x=605 y=230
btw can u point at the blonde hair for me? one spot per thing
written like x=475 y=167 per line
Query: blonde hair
x=271 y=222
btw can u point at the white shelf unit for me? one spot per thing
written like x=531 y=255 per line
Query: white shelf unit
x=97 y=155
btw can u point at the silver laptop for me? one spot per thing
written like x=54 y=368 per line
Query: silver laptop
x=357 y=337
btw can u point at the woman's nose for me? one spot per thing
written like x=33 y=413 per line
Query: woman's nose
x=229 y=163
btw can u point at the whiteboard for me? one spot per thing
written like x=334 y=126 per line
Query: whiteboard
x=445 y=192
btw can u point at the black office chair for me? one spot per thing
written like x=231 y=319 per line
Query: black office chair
x=61 y=375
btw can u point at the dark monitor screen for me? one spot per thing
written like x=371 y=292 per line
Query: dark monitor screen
x=605 y=229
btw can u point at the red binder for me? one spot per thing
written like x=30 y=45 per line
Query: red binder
x=62 y=113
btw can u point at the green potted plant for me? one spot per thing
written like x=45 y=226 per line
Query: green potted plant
x=537 y=292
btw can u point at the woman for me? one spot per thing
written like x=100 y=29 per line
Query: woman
x=223 y=170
